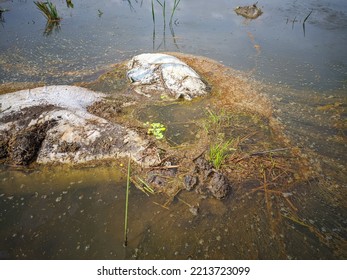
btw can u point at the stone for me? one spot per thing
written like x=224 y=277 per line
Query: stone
x=158 y=73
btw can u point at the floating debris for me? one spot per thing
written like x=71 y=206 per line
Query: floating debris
x=156 y=72
x=250 y=12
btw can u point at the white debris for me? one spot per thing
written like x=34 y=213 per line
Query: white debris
x=158 y=72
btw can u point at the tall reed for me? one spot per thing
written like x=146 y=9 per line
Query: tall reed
x=163 y=7
x=176 y=3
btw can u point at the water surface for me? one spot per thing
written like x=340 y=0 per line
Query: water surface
x=273 y=47
x=68 y=213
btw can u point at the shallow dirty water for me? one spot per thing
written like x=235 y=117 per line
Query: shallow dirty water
x=78 y=213
x=181 y=120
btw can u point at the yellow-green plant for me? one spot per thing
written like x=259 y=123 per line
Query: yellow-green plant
x=218 y=152
x=215 y=120
x=156 y=129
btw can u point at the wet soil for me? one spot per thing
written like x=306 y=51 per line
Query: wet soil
x=21 y=146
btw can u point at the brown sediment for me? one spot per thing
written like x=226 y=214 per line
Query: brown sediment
x=229 y=89
x=12 y=87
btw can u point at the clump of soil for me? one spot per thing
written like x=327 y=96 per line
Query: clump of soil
x=250 y=12
x=23 y=146
x=20 y=147
x=206 y=178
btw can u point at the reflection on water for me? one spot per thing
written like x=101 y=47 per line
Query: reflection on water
x=88 y=41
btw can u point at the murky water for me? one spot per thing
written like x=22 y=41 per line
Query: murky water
x=65 y=213
x=77 y=213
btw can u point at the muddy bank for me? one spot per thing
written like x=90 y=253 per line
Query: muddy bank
x=52 y=125
x=227 y=145
x=261 y=162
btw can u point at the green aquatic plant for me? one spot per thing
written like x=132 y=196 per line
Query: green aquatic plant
x=49 y=10
x=156 y=129
x=176 y=3
x=214 y=117
x=69 y=3
x=162 y=4
x=146 y=187
x=215 y=120
x=218 y=152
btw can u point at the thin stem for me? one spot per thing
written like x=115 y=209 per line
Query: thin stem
x=153 y=14
x=173 y=10
x=164 y=15
x=126 y=207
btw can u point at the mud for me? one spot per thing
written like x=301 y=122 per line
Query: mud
x=206 y=178
x=23 y=147
x=249 y=12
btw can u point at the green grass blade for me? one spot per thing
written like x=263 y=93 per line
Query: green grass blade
x=160 y=3
x=153 y=14
x=126 y=207
x=176 y=3
x=147 y=187
x=48 y=9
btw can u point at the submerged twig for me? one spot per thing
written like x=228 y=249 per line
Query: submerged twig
x=268 y=151
x=165 y=167
x=262 y=153
x=163 y=206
